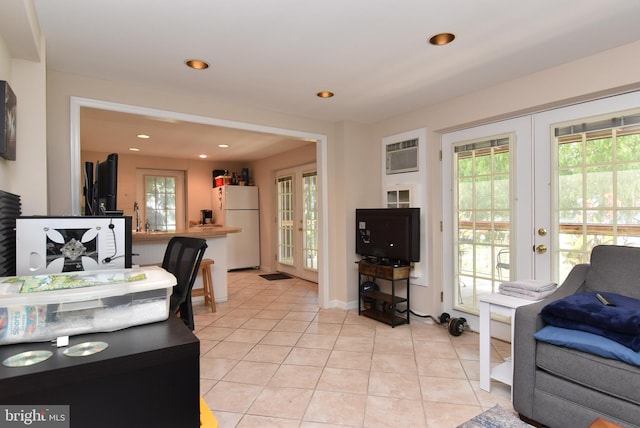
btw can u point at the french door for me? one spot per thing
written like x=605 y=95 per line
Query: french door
x=530 y=197
x=594 y=185
x=297 y=222
x=487 y=210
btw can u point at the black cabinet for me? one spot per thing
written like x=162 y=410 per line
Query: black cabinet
x=148 y=376
x=382 y=306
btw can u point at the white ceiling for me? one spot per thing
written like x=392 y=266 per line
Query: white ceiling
x=276 y=55
x=113 y=131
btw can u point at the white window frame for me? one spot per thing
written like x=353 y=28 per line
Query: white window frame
x=180 y=193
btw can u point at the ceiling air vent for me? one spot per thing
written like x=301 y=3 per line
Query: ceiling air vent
x=402 y=156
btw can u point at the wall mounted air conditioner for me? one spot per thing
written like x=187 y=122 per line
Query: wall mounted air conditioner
x=402 y=156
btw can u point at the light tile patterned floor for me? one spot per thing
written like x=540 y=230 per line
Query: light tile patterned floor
x=271 y=358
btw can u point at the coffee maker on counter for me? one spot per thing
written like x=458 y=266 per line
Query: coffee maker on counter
x=206 y=217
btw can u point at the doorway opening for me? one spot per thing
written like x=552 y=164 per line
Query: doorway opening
x=321 y=159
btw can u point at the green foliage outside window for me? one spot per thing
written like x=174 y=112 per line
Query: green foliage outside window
x=598 y=195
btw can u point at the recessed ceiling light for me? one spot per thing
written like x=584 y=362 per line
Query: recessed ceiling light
x=144 y=136
x=134 y=149
x=202 y=156
x=442 y=39
x=325 y=94
x=197 y=64
x=224 y=146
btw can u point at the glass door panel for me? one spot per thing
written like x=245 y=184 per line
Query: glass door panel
x=483 y=204
x=586 y=160
x=310 y=223
x=598 y=187
x=297 y=191
x=285 y=220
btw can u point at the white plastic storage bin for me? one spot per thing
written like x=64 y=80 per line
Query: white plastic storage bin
x=44 y=307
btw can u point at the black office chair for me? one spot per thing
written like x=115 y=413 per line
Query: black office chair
x=182 y=258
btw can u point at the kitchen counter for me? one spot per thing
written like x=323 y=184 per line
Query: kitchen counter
x=149 y=247
x=196 y=232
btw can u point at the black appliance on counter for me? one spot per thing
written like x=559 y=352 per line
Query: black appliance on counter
x=206 y=217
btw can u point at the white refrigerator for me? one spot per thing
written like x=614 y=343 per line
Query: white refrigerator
x=237 y=206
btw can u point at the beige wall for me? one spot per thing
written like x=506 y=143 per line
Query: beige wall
x=21 y=66
x=360 y=174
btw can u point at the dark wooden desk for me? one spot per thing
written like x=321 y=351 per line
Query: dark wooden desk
x=149 y=376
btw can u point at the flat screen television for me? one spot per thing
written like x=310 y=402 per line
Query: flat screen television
x=101 y=190
x=388 y=235
x=107 y=183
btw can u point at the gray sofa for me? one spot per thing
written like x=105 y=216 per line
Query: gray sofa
x=556 y=386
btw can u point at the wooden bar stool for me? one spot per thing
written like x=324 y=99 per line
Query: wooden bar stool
x=207 y=285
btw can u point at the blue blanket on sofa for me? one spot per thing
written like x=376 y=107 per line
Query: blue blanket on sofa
x=583 y=311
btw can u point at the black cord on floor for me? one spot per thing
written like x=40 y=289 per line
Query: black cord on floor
x=404 y=311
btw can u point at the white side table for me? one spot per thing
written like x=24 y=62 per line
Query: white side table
x=503 y=305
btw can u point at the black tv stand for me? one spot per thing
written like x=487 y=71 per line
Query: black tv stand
x=387 y=313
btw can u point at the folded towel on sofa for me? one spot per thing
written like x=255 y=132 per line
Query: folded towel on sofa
x=583 y=311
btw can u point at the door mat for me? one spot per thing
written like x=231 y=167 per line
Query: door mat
x=496 y=417
x=275 y=276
